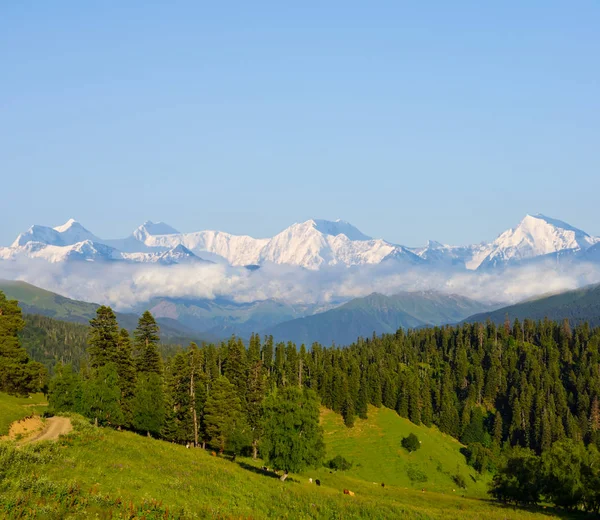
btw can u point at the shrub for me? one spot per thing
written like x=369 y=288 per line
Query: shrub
x=460 y=481
x=415 y=474
x=339 y=463
x=411 y=443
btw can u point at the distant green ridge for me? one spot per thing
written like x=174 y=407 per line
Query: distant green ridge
x=580 y=305
x=377 y=314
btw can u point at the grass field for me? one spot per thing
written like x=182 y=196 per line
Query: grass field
x=16 y=408
x=374 y=448
x=103 y=473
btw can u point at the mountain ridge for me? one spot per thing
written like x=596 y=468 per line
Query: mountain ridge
x=313 y=244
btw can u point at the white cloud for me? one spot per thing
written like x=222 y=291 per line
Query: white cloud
x=124 y=286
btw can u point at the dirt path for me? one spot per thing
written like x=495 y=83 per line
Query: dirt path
x=25 y=428
x=55 y=426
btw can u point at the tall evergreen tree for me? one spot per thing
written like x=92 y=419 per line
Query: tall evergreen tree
x=126 y=375
x=226 y=426
x=146 y=337
x=257 y=384
x=101 y=396
x=18 y=374
x=103 y=337
x=148 y=404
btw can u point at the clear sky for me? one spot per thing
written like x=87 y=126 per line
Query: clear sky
x=412 y=120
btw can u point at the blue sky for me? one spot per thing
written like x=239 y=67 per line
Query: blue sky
x=441 y=120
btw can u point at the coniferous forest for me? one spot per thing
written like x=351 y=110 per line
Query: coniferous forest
x=523 y=398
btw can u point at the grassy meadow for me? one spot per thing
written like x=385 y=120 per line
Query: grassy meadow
x=103 y=473
x=373 y=446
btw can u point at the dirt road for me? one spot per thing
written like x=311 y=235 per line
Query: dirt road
x=55 y=426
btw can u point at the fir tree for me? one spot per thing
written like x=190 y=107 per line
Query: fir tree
x=64 y=390
x=18 y=374
x=226 y=427
x=257 y=384
x=101 y=396
x=103 y=337
x=146 y=338
x=148 y=404
x=126 y=375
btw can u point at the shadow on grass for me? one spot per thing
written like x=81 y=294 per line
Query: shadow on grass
x=548 y=510
x=260 y=471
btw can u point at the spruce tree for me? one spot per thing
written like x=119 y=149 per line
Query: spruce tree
x=103 y=337
x=146 y=338
x=226 y=426
x=101 y=396
x=148 y=404
x=126 y=375
x=64 y=390
x=257 y=383
x=235 y=368
x=362 y=401
x=18 y=374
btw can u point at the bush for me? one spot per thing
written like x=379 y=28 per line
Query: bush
x=339 y=463
x=460 y=481
x=411 y=443
x=415 y=474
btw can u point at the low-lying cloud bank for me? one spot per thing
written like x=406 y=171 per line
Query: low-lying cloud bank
x=124 y=286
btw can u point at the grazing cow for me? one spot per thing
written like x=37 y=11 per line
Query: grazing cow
x=310 y=480
x=382 y=484
x=348 y=492
x=318 y=482
x=213 y=453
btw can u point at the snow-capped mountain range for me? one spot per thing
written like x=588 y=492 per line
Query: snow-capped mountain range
x=313 y=244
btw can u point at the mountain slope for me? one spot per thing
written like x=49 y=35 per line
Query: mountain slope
x=375 y=313
x=222 y=318
x=577 y=306
x=34 y=300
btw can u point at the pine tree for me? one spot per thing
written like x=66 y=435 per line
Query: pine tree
x=148 y=404
x=178 y=386
x=146 y=337
x=348 y=412
x=126 y=375
x=363 y=398
x=64 y=390
x=18 y=374
x=226 y=427
x=101 y=396
x=498 y=433
x=235 y=368
x=257 y=384
x=103 y=337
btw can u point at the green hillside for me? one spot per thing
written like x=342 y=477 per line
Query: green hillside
x=34 y=300
x=373 y=445
x=376 y=313
x=96 y=471
x=577 y=306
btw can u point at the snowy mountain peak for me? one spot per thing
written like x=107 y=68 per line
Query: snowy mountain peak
x=338 y=227
x=67 y=225
x=536 y=235
x=150 y=228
